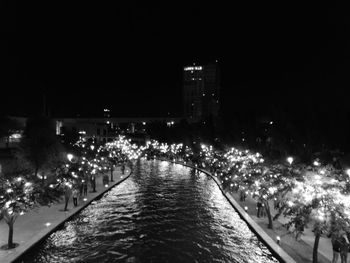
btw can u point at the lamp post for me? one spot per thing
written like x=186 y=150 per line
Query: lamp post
x=348 y=172
x=112 y=169
x=278 y=239
x=70 y=157
x=316 y=163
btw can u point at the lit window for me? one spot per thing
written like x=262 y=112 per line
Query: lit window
x=193 y=68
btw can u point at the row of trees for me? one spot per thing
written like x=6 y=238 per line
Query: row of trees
x=24 y=181
x=41 y=173
x=315 y=194
x=273 y=137
x=43 y=170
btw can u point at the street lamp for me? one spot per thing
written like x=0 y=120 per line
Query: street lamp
x=316 y=163
x=348 y=172
x=290 y=160
x=70 y=157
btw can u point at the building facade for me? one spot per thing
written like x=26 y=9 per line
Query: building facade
x=107 y=129
x=201 y=92
x=100 y=129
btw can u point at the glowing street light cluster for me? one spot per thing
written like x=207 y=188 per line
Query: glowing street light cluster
x=318 y=192
x=320 y=195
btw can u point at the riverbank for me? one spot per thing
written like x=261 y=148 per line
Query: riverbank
x=289 y=250
x=38 y=223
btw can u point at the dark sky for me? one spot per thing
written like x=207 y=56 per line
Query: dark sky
x=129 y=57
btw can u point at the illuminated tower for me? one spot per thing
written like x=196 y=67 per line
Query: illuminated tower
x=106 y=113
x=201 y=92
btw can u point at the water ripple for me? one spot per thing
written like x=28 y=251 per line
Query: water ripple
x=162 y=213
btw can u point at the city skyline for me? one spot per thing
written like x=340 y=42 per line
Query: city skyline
x=166 y=131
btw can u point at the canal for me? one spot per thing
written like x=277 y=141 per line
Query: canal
x=163 y=213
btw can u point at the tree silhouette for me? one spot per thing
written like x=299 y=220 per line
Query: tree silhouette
x=40 y=150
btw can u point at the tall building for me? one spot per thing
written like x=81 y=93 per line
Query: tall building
x=201 y=92
x=106 y=113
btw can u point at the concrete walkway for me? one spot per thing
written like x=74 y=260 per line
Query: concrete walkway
x=36 y=224
x=301 y=250
x=324 y=248
x=325 y=245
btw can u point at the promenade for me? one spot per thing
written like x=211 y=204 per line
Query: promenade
x=301 y=250
x=31 y=227
x=36 y=224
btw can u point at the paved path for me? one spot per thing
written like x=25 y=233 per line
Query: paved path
x=308 y=237
x=34 y=225
x=30 y=227
x=324 y=246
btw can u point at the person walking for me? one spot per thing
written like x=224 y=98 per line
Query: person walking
x=242 y=196
x=93 y=183
x=81 y=189
x=123 y=168
x=344 y=247
x=258 y=207
x=75 y=197
x=85 y=187
x=263 y=210
x=277 y=202
x=336 y=244
x=299 y=227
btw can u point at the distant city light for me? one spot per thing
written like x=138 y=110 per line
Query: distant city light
x=170 y=123
x=15 y=136
x=193 y=68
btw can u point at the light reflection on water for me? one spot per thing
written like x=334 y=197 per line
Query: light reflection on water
x=163 y=213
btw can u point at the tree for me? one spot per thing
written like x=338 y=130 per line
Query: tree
x=320 y=199
x=19 y=192
x=40 y=150
x=68 y=176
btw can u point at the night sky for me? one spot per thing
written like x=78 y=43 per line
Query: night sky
x=274 y=56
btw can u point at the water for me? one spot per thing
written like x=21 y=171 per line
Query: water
x=163 y=213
